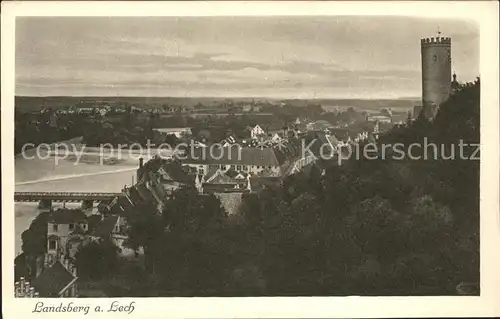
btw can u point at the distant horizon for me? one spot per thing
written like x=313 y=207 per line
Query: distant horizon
x=408 y=98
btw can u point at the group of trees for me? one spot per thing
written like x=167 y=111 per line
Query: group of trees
x=97 y=259
x=41 y=128
x=185 y=249
x=34 y=246
x=369 y=227
x=115 y=128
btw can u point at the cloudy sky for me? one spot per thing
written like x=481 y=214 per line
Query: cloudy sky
x=289 y=57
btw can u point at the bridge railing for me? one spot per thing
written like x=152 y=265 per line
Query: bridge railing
x=34 y=196
x=64 y=194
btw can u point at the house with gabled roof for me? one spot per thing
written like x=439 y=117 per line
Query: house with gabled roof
x=322 y=146
x=222 y=182
x=173 y=176
x=242 y=159
x=124 y=202
x=59 y=279
x=277 y=138
x=257 y=132
x=236 y=175
x=157 y=179
x=170 y=174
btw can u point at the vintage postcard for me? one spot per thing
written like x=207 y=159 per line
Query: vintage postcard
x=250 y=159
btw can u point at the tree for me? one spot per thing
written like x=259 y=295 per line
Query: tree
x=250 y=210
x=34 y=239
x=96 y=260
x=188 y=211
x=172 y=140
x=145 y=231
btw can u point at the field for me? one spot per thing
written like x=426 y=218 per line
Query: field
x=32 y=103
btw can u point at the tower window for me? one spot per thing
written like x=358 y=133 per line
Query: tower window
x=435 y=58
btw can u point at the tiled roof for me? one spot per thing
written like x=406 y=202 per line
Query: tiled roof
x=175 y=172
x=105 y=227
x=134 y=195
x=231 y=173
x=289 y=149
x=234 y=155
x=241 y=175
x=103 y=206
x=125 y=203
x=343 y=133
x=121 y=205
x=333 y=140
x=212 y=171
x=144 y=192
x=77 y=230
x=259 y=183
x=315 y=141
x=52 y=280
x=221 y=178
x=151 y=165
x=155 y=184
x=67 y=216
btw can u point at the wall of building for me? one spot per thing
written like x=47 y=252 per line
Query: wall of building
x=253 y=169
x=436 y=73
x=63 y=231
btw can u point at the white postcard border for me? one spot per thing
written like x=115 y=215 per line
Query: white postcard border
x=488 y=304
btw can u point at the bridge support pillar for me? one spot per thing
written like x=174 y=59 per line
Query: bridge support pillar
x=45 y=205
x=87 y=204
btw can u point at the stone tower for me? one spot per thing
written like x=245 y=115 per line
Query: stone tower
x=436 y=73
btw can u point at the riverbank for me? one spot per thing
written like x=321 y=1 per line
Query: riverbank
x=73 y=142
x=65 y=175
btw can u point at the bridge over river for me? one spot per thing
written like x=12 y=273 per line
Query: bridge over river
x=62 y=196
x=45 y=199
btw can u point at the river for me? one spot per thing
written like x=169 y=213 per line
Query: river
x=55 y=174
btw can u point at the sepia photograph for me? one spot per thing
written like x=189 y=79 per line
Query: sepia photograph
x=246 y=156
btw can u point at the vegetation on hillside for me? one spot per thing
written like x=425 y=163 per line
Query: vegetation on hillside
x=368 y=227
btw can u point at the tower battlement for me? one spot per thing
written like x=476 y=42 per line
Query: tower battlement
x=435 y=40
